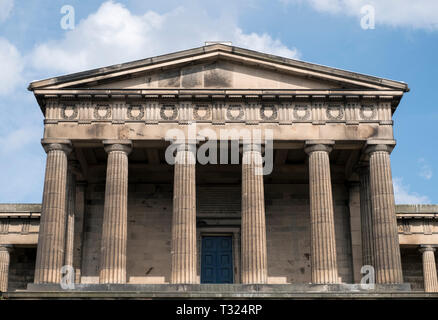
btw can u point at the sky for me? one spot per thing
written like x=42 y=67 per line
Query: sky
x=394 y=39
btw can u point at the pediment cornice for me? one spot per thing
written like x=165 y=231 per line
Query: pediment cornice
x=218 y=51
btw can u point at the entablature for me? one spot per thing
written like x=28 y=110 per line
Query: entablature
x=218 y=107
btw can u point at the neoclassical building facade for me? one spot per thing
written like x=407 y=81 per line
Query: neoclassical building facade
x=221 y=165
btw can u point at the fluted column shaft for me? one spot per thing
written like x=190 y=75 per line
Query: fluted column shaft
x=322 y=227
x=184 y=216
x=115 y=215
x=253 y=233
x=51 y=239
x=366 y=216
x=4 y=267
x=79 y=229
x=387 y=262
x=70 y=223
x=429 y=269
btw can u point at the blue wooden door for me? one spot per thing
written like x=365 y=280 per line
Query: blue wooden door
x=216 y=260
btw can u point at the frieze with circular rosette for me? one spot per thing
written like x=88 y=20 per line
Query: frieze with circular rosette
x=301 y=112
x=102 y=112
x=335 y=112
x=368 y=112
x=135 y=112
x=202 y=112
x=168 y=112
x=235 y=112
x=268 y=112
x=69 y=112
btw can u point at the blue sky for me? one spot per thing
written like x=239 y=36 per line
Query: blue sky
x=402 y=46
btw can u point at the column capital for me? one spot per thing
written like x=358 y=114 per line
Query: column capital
x=248 y=146
x=57 y=144
x=379 y=147
x=118 y=145
x=185 y=146
x=5 y=248
x=187 y=140
x=318 y=145
x=424 y=248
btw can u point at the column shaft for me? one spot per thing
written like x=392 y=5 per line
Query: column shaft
x=323 y=242
x=355 y=229
x=366 y=216
x=4 y=268
x=115 y=216
x=429 y=269
x=70 y=223
x=184 y=217
x=79 y=229
x=387 y=262
x=254 y=253
x=51 y=239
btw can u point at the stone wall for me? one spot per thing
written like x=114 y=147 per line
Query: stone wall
x=412 y=266
x=288 y=232
x=21 y=267
x=149 y=232
x=94 y=201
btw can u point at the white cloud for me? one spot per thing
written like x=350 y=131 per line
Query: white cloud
x=11 y=66
x=264 y=43
x=399 y=13
x=5 y=9
x=113 y=35
x=425 y=169
x=403 y=195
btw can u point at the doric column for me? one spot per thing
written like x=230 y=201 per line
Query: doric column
x=51 y=239
x=70 y=221
x=429 y=269
x=4 y=267
x=387 y=261
x=79 y=228
x=355 y=229
x=366 y=215
x=115 y=214
x=253 y=243
x=322 y=227
x=184 y=216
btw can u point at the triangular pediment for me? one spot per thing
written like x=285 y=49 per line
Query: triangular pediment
x=218 y=74
x=218 y=66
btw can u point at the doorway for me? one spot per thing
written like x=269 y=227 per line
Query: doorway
x=217 y=259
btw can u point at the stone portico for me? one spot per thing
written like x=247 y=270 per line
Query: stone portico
x=118 y=212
